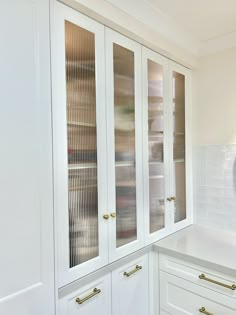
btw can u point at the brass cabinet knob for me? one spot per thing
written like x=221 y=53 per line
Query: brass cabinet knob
x=173 y=198
x=105 y=216
x=113 y=215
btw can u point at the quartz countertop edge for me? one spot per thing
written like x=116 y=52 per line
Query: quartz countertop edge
x=208 y=247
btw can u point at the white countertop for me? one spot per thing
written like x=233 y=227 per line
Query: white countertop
x=212 y=248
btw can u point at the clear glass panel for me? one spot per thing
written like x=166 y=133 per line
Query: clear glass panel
x=155 y=144
x=82 y=147
x=124 y=117
x=179 y=145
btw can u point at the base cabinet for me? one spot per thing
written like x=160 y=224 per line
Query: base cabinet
x=184 y=291
x=94 y=298
x=130 y=288
x=123 y=291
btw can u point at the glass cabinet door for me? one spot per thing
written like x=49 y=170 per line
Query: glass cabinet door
x=79 y=133
x=123 y=58
x=155 y=140
x=180 y=78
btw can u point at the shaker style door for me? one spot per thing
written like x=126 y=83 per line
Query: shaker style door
x=26 y=199
x=79 y=144
x=155 y=145
x=124 y=140
x=180 y=149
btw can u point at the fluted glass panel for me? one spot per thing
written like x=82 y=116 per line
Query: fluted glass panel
x=155 y=143
x=124 y=117
x=81 y=140
x=179 y=145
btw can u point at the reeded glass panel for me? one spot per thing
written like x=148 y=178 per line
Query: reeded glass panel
x=82 y=147
x=179 y=145
x=124 y=117
x=155 y=143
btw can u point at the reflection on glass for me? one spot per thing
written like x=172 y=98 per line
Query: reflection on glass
x=179 y=145
x=81 y=139
x=124 y=117
x=155 y=144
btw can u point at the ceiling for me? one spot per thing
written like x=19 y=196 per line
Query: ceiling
x=199 y=26
x=205 y=19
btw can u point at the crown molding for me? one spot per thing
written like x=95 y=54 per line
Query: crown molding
x=152 y=28
x=218 y=44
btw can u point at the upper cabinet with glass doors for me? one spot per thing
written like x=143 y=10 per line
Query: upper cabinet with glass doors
x=180 y=146
x=166 y=146
x=79 y=131
x=121 y=145
x=124 y=131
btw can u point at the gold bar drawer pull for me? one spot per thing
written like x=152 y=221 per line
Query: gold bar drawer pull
x=137 y=268
x=95 y=292
x=203 y=311
x=231 y=287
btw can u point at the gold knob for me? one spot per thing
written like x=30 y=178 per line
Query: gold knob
x=169 y=199
x=113 y=215
x=173 y=198
x=105 y=216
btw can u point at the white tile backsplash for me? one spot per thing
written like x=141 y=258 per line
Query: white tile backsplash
x=214 y=186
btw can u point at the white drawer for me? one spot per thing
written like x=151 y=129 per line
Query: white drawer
x=130 y=288
x=181 y=297
x=191 y=272
x=98 y=302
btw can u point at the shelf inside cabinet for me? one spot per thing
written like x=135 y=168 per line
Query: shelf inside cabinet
x=156 y=177
x=125 y=163
x=179 y=160
x=82 y=166
x=80 y=124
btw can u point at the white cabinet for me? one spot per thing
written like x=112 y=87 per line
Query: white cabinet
x=166 y=146
x=26 y=223
x=124 y=140
x=130 y=288
x=190 y=288
x=116 y=162
x=94 y=298
x=79 y=135
x=122 y=291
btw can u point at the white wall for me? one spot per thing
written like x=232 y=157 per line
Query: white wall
x=214 y=140
x=214 y=103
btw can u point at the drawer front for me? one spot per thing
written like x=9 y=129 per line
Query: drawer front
x=179 y=297
x=130 y=288
x=91 y=299
x=213 y=280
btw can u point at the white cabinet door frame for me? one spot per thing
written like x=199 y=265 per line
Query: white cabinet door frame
x=188 y=145
x=114 y=37
x=26 y=201
x=148 y=54
x=64 y=272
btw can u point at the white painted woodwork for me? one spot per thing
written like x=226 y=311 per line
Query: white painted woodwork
x=114 y=37
x=104 y=40
x=64 y=272
x=188 y=147
x=148 y=54
x=99 y=304
x=179 y=296
x=130 y=295
x=26 y=225
x=191 y=272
